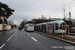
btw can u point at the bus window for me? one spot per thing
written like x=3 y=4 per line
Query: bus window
x=52 y=26
x=30 y=24
x=56 y=26
x=61 y=26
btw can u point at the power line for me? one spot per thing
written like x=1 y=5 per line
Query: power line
x=62 y=6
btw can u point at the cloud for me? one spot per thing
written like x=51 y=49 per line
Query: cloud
x=30 y=9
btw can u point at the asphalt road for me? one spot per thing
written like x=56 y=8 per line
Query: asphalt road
x=4 y=35
x=21 y=40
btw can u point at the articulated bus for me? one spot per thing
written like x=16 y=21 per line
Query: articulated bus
x=56 y=26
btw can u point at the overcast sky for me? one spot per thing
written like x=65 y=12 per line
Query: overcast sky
x=29 y=9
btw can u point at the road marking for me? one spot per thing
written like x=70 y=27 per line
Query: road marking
x=28 y=34
x=9 y=39
x=33 y=38
x=14 y=33
x=2 y=46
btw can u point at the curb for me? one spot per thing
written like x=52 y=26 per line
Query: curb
x=73 y=43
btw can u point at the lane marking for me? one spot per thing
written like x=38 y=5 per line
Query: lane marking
x=9 y=39
x=14 y=33
x=28 y=34
x=33 y=38
x=2 y=46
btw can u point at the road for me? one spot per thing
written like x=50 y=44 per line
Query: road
x=21 y=40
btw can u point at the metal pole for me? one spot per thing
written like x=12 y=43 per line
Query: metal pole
x=47 y=29
x=70 y=18
x=65 y=32
x=68 y=32
x=62 y=31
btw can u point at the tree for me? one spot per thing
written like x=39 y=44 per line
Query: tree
x=5 y=11
x=5 y=21
x=29 y=22
x=15 y=25
x=23 y=22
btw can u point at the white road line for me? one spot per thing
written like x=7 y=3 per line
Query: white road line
x=14 y=33
x=2 y=46
x=9 y=39
x=28 y=34
x=33 y=38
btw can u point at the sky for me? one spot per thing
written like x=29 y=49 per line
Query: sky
x=30 y=9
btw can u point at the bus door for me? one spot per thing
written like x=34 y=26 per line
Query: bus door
x=51 y=28
x=56 y=30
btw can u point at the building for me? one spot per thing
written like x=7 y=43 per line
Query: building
x=1 y=22
x=36 y=21
x=4 y=24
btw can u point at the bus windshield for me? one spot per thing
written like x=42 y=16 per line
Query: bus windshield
x=30 y=24
x=61 y=26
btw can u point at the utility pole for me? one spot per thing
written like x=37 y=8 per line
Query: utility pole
x=70 y=17
x=69 y=13
x=49 y=17
x=64 y=12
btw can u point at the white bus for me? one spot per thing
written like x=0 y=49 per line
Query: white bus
x=29 y=27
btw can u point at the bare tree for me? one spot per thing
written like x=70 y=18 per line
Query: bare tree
x=23 y=22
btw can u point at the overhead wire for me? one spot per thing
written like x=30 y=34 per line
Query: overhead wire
x=62 y=6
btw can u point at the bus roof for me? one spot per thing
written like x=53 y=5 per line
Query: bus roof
x=57 y=21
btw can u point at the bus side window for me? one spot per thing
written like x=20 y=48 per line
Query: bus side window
x=56 y=26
